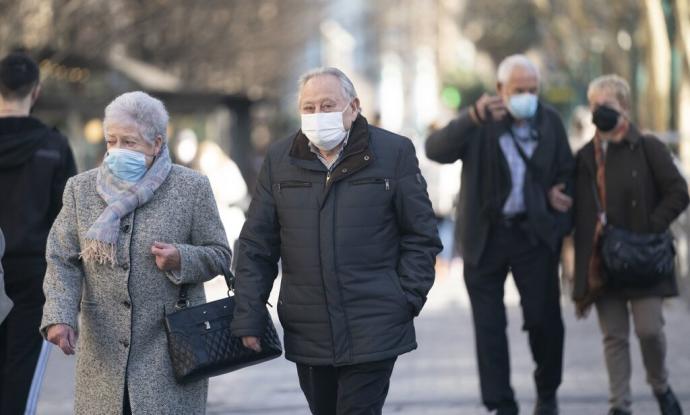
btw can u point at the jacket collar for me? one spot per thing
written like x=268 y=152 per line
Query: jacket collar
x=632 y=137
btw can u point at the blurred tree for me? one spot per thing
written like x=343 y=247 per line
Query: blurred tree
x=682 y=23
x=223 y=45
x=578 y=40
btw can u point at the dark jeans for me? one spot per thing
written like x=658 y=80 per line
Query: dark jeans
x=20 y=341
x=535 y=271
x=346 y=390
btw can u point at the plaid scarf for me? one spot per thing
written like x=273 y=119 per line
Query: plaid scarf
x=122 y=198
x=595 y=275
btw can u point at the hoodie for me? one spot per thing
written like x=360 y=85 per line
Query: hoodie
x=35 y=163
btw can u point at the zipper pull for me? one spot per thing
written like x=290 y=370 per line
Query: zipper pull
x=388 y=184
x=280 y=188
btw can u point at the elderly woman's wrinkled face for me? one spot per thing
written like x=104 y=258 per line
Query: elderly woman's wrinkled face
x=126 y=136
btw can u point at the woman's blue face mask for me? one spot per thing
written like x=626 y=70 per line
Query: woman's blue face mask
x=127 y=165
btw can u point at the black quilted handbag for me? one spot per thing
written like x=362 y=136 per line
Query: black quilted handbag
x=201 y=344
x=637 y=259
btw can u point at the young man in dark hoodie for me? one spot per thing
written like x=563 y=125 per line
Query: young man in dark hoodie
x=35 y=163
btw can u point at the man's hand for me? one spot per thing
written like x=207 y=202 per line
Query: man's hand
x=490 y=107
x=167 y=256
x=251 y=342
x=559 y=200
x=63 y=336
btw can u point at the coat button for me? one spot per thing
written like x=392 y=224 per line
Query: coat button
x=366 y=158
x=124 y=343
x=634 y=203
x=634 y=173
x=344 y=170
x=127 y=304
x=125 y=266
x=125 y=228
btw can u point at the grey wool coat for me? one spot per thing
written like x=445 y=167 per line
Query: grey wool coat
x=119 y=310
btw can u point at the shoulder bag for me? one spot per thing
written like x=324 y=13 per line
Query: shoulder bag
x=633 y=259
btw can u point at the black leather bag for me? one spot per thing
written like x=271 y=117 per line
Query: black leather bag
x=632 y=259
x=637 y=259
x=201 y=343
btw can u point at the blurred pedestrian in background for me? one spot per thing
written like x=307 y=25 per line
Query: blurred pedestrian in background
x=129 y=234
x=512 y=215
x=35 y=163
x=631 y=178
x=343 y=205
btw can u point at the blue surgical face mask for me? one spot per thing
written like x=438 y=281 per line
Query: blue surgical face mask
x=523 y=106
x=126 y=164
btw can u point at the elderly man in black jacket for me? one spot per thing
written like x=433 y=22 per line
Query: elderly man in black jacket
x=512 y=214
x=345 y=208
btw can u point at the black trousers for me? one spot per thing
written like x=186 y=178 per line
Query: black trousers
x=346 y=390
x=20 y=341
x=510 y=247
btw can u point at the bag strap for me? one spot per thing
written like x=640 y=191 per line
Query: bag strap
x=183 y=297
x=521 y=152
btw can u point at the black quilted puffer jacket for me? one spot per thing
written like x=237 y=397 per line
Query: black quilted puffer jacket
x=357 y=246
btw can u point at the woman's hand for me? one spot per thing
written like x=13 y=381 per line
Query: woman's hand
x=251 y=342
x=167 y=256
x=63 y=336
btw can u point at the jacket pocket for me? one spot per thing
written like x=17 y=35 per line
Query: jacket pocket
x=393 y=276
x=386 y=183
x=292 y=184
x=294 y=194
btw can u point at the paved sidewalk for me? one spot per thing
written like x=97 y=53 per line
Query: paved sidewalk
x=440 y=377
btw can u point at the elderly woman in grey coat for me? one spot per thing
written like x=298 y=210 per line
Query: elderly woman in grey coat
x=130 y=233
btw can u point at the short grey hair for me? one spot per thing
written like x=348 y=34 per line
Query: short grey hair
x=507 y=65
x=143 y=110
x=611 y=83
x=345 y=82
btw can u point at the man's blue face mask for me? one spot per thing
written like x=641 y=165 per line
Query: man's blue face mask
x=523 y=106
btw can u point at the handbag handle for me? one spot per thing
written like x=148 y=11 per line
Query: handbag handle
x=183 y=298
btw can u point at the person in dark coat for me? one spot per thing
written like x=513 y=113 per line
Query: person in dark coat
x=512 y=214
x=343 y=205
x=641 y=190
x=35 y=163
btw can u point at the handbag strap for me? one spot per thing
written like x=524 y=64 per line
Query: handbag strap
x=597 y=201
x=183 y=297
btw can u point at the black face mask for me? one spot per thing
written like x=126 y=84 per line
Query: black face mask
x=605 y=118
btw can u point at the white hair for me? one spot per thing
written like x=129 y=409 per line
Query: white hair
x=140 y=108
x=507 y=65
x=345 y=82
x=611 y=83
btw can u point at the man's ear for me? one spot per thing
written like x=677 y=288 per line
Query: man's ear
x=356 y=105
x=499 y=88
